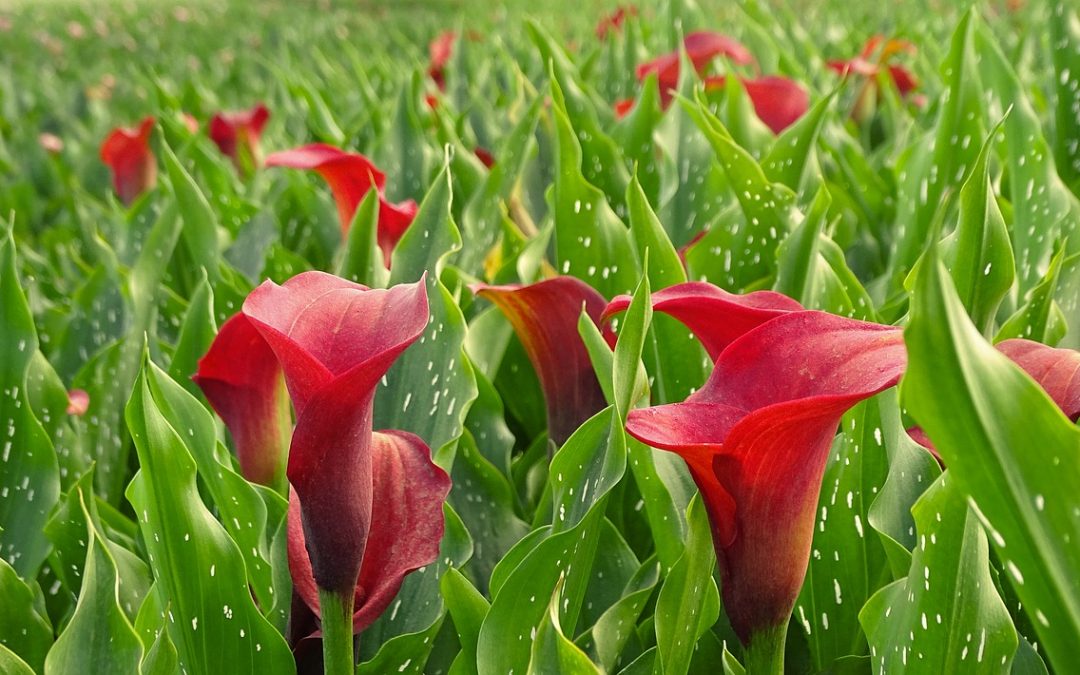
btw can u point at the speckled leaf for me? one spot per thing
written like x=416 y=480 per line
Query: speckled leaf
x=430 y=387
x=196 y=333
x=362 y=259
x=689 y=602
x=213 y=620
x=847 y=564
x=467 y=609
x=1007 y=447
x=29 y=479
x=591 y=243
x=946 y=616
x=793 y=153
x=200 y=233
x=99 y=637
x=552 y=651
x=1064 y=27
x=23 y=627
x=1039 y=318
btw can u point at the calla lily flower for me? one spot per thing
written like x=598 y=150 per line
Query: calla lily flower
x=485 y=157
x=756 y=439
x=241 y=378
x=1056 y=370
x=365 y=507
x=712 y=314
x=409 y=490
x=237 y=135
x=545 y=317
x=612 y=23
x=127 y=152
x=350 y=176
x=868 y=69
x=778 y=101
x=439 y=51
x=702 y=47
x=78 y=402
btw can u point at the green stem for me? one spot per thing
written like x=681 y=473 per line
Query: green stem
x=337 y=629
x=765 y=653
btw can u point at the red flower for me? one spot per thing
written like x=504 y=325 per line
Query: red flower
x=612 y=23
x=712 y=314
x=334 y=340
x=778 y=101
x=127 y=152
x=863 y=66
x=237 y=136
x=1056 y=370
x=243 y=382
x=702 y=47
x=189 y=122
x=485 y=157
x=623 y=107
x=350 y=175
x=545 y=317
x=78 y=402
x=756 y=439
x=439 y=51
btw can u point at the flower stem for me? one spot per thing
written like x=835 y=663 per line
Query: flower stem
x=765 y=653
x=337 y=632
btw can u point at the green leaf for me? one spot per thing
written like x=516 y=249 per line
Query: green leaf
x=793 y=153
x=608 y=637
x=430 y=387
x=24 y=629
x=1039 y=318
x=1064 y=42
x=196 y=334
x=11 y=664
x=99 y=637
x=977 y=253
x=946 y=616
x=200 y=233
x=591 y=243
x=846 y=566
x=468 y=609
x=1007 y=447
x=214 y=622
x=29 y=479
x=629 y=382
x=553 y=652
x=362 y=259
x=689 y=602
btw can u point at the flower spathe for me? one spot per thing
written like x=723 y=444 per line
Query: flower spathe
x=701 y=47
x=778 y=101
x=334 y=340
x=756 y=439
x=1056 y=370
x=439 y=52
x=350 y=175
x=241 y=378
x=126 y=151
x=545 y=317
x=237 y=134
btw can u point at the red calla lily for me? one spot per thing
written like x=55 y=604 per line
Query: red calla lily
x=715 y=316
x=409 y=490
x=127 y=152
x=756 y=439
x=868 y=69
x=1056 y=370
x=778 y=101
x=350 y=176
x=485 y=157
x=241 y=378
x=334 y=340
x=78 y=402
x=623 y=107
x=439 y=51
x=545 y=317
x=612 y=23
x=237 y=135
x=702 y=47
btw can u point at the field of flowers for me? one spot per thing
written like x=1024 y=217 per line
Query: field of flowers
x=680 y=337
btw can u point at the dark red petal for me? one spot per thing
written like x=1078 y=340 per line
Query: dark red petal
x=394 y=219
x=239 y=132
x=623 y=107
x=715 y=316
x=127 y=152
x=905 y=81
x=545 y=317
x=349 y=174
x=794 y=376
x=778 y=101
x=335 y=340
x=858 y=66
x=704 y=46
x=441 y=49
x=241 y=378
x=408 y=490
x=1056 y=370
x=485 y=157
